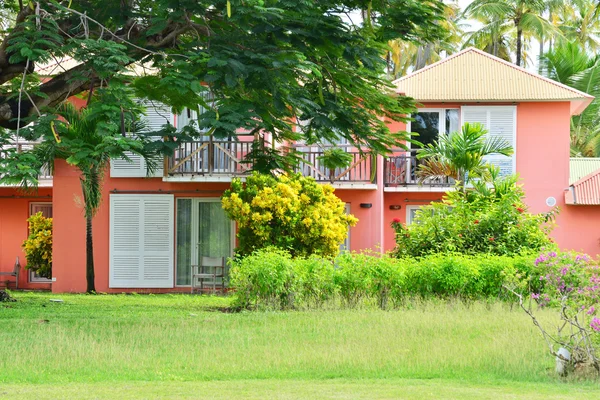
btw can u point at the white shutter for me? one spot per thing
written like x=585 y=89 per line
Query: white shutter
x=141 y=241
x=501 y=122
x=157 y=115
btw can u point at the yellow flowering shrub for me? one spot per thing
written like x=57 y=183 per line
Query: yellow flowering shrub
x=290 y=212
x=38 y=246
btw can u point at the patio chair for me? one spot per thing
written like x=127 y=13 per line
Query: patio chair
x=210 y=272
x=14 y=272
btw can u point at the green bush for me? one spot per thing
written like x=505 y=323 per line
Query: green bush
x=265 y=278
x=482 y=220
x=271 y=278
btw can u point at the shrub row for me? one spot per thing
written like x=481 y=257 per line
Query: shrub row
x=271 y=278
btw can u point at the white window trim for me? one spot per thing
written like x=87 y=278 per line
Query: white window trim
x=194 y=235
x=408 y=213
x=31 y=274
x=514 y=109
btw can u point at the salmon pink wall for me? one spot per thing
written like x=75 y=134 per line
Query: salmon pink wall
x=580 y=230
x=402 y=199
x=365 y=235
x=14 y=211
x=69 y=229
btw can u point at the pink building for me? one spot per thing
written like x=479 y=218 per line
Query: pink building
x=150 y=231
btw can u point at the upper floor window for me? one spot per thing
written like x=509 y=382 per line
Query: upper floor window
x=430 y=123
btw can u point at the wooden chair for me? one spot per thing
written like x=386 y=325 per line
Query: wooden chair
x=211 y=271
x=14 y=272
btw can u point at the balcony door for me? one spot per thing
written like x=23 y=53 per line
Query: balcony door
x=203 y=229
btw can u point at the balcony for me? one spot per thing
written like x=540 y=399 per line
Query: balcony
x=360 y=174
x=222 y=160
x=400 y=175
x=209 y=160
x=45 y=178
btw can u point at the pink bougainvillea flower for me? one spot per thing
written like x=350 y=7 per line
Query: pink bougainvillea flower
x=595 y=324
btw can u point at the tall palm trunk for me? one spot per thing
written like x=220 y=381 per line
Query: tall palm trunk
x=519 y=44
x=89 y=256
x=89 y=202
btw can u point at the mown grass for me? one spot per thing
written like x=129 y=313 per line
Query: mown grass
x=114 y=344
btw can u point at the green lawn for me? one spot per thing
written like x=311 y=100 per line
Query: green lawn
x=180 y=346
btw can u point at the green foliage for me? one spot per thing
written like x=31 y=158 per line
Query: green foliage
x=570 y=64
x=335 y=157
x=483 y=220
x=271 y=278
x=289 y=212
x=38 y=245
x=460 y=155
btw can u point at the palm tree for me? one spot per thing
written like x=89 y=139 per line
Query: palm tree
x=404 y=56
x=81 y=138
x=572 y=65
x=460 y=155
x=524 y=17
x=580 y=24
x=493 y=38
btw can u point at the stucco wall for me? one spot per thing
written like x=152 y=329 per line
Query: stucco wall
x=14 y=211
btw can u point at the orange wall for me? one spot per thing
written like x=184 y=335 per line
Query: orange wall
x=69 y=229
x=14 y=212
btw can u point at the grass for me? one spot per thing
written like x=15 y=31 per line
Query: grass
x=180 y=346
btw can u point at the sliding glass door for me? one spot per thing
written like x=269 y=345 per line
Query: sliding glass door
x=203 y=230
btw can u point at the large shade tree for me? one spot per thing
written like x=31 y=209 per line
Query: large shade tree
x=266 y=61
x=263 y=64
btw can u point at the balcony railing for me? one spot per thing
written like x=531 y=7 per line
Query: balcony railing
x=210 y=157
x=45 y=175
x=400 y=170
x=360 y=170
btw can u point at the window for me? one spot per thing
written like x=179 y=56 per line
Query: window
x=430 y=123
x=46 y=209
x=141 y=241
x=500 y=121
x=411 y=213
x=156 y=116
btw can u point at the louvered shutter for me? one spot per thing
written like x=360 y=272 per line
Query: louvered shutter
x=141 y=241
x=501 y=122
x=156 y=116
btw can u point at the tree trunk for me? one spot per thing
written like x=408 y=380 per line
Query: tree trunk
x=89 y=244
x=89 y=256
x=519 y=44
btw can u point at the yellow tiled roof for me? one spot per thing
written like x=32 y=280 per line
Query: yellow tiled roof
x=473 y=75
